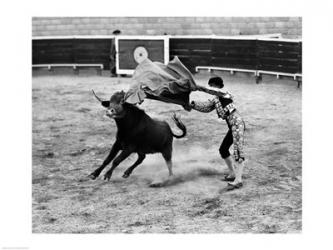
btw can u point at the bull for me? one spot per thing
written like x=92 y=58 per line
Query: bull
x=137 y=133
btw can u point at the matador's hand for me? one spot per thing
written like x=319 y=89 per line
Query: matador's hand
x=187 y=107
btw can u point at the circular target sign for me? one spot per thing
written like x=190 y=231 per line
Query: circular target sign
x=140 y=54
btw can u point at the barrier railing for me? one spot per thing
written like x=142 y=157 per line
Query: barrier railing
x=261 y=54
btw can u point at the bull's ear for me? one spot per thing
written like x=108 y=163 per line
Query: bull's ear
x=123 y=98
x=105 y=104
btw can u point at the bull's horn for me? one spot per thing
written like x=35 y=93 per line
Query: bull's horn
x=99 y=99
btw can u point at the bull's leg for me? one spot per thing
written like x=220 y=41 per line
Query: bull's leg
x=122 y=156
x=169 y=164
x=113 y=152
x=167 y=155
x=128 y=171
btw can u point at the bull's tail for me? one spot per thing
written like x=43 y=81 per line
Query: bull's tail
x=180 y=125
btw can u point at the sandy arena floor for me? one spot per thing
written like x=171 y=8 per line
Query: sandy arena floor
x=71 y=137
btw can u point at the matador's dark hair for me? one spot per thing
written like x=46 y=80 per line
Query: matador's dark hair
x=216 y=81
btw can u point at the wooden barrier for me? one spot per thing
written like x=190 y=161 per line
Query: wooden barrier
x=78 y=51
x=255 y=54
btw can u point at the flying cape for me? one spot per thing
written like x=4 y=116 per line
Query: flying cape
x=170 y=83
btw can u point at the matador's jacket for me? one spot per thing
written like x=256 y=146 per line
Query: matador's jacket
x=226 y=110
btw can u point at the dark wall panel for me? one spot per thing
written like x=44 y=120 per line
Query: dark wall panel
x=234 y=53
x=54 y=51
x=279 y=56
x=192 y=52
x=214 y=52
x=71 y=51
x=92 y=51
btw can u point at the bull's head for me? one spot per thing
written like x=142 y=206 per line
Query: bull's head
x=114 y=107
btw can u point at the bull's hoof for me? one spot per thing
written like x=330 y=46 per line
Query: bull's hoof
x=107 y=176
x=83 y=179
x=126 y=175
x=92 y=176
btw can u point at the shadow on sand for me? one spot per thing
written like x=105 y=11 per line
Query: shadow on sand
x=184 y=177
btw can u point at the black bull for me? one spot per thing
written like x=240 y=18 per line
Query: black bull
x=137 y=133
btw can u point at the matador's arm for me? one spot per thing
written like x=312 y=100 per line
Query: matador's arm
x=205 y=107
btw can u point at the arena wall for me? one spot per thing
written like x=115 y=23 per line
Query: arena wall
x=289 y=27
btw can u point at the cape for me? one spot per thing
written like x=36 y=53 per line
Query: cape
x=170 y=83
